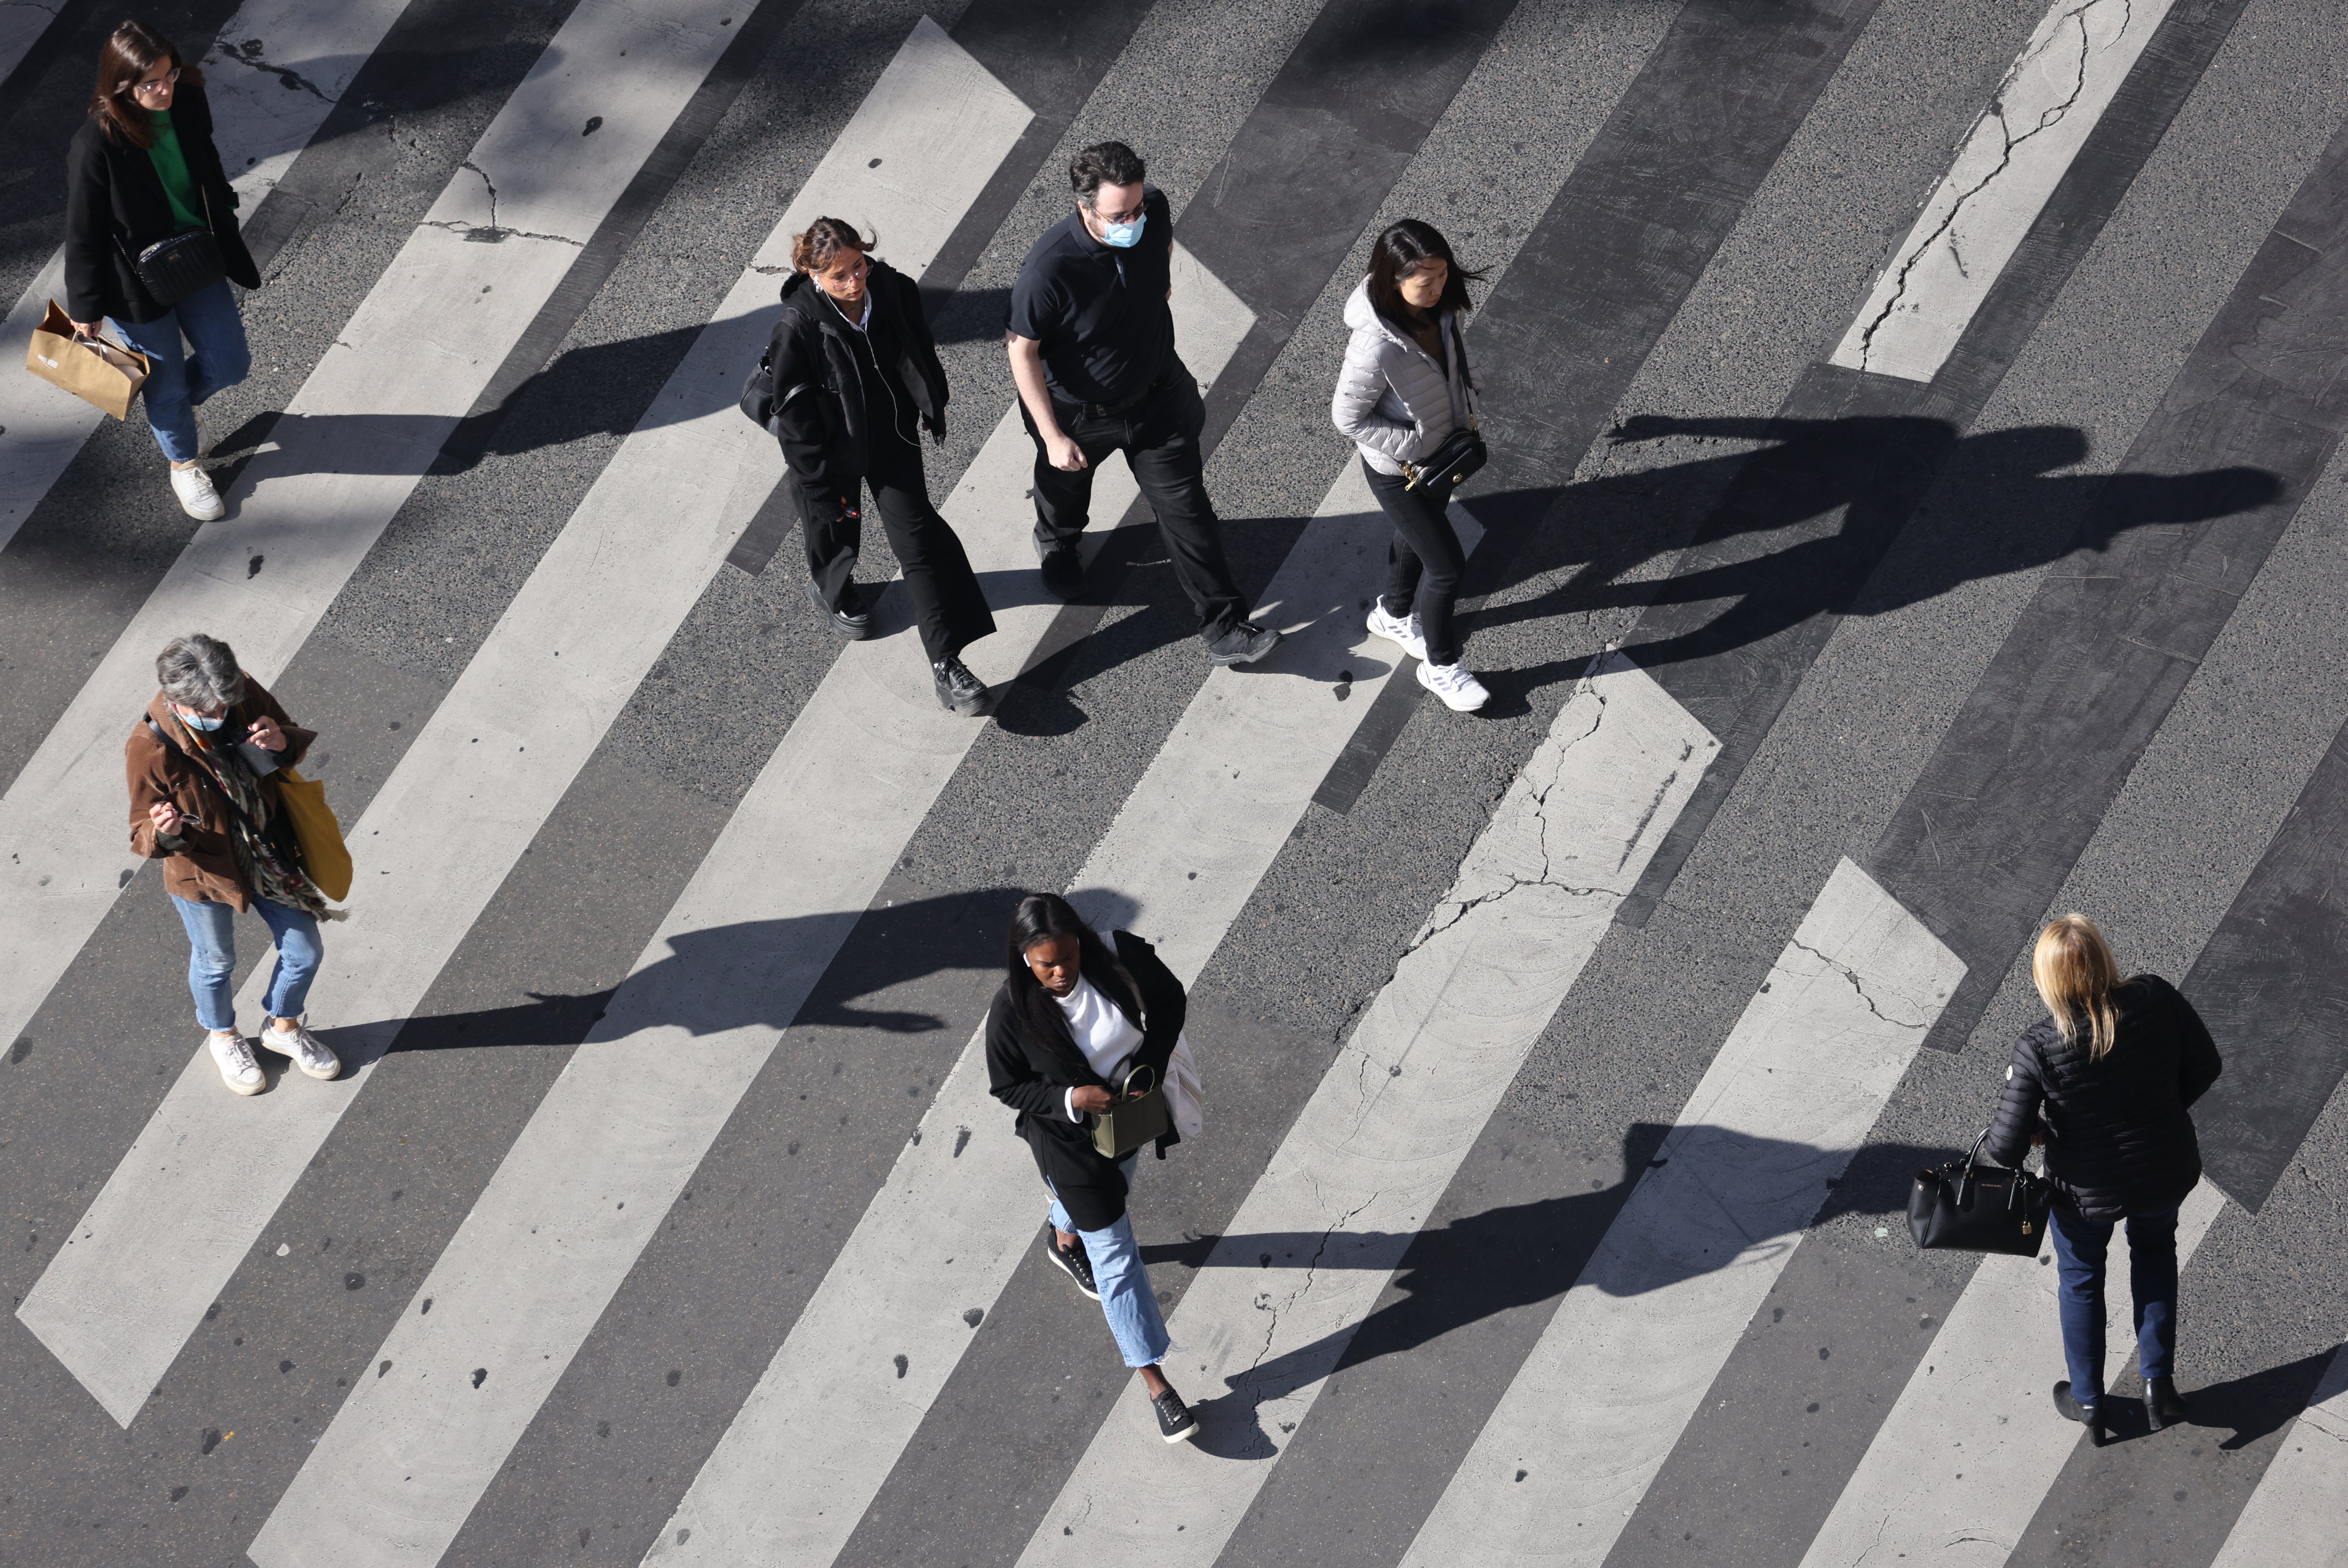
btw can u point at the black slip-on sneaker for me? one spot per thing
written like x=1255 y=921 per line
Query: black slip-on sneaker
x=1073 y=1263
x=1243 y=645
x=2088 y=1416
x=854 y=623
x=1175 y=1422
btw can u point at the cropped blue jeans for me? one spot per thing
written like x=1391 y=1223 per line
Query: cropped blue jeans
x=1126 y=1298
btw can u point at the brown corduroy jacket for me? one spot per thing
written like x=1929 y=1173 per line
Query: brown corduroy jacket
x=199 y=865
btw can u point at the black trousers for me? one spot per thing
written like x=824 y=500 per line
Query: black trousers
x=1424 y=560
x=948 y=606
x=1159 y=438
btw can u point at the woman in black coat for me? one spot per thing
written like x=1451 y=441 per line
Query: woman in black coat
x=2104 y=1083
x=141 y=169
x=1071 y=1014
x=855 y=370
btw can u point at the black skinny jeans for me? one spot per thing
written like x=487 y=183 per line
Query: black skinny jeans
x=1424 y=560
x=948 y=606
x=1159 y=439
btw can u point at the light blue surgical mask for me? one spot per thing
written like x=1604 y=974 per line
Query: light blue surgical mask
x=197 y=721
x=1124 y=236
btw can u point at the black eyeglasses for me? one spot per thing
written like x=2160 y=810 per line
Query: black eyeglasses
x=1138 y=208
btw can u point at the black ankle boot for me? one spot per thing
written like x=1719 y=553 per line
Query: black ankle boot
x=2088 y=1416
x=2163 y=1406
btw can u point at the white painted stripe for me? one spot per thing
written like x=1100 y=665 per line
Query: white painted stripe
x=1627 y=1359
x=1381 y=1137
x=192 y=1195
x=818 y=1436
x=1979 y=1403
x=586 y=1185
x=260 y=128
x=2008 y=167
x=353 y=443
x=2298 y=1517
x=21 y=26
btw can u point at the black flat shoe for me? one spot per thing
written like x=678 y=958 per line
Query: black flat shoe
x=1074 y=1264
x=1175 y=1422
x=2163 y=1406
x=2070 y=1409
x=1064 y=571
x=1243 y=645
x=854 y=624
x=959 y=691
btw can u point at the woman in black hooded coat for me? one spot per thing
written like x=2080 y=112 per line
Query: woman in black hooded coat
x=1073 y=1019
x=856 y=376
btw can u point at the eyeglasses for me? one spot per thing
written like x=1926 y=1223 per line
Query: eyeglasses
x=156 y=85
x=1138 y=208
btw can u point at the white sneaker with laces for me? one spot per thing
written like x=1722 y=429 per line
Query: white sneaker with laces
x=308 y=1051
x=1401 y=631
x=197 y=497
x=237 y=1069
x=1460 y=692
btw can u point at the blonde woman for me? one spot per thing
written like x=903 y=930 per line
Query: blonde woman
x=2104 y=1084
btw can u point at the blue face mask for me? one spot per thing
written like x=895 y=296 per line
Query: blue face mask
x=197 y=721
x=1124 y=236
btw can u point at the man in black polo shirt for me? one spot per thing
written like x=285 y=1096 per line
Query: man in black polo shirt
x=1092 y=350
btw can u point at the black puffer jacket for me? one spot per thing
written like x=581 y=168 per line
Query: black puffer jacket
x=2118 y=1141
x=115 y=208
x=826 y=438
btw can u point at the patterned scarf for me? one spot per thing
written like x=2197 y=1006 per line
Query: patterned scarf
x=268 y=871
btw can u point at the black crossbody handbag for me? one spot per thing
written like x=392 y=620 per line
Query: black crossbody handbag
x=185 y=264
x=1463 y=451
x=1968 y=1206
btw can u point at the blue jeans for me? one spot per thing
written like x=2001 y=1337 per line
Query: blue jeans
x=211 y=960
x=2079 y=1248
x=1126 y=1300
x=178 y=380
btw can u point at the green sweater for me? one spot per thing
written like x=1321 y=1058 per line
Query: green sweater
x=171 y=167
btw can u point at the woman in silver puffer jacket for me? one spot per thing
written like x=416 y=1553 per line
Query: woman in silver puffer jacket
x=1404 y=387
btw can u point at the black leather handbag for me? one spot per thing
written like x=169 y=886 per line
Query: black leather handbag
x=171 y=269
x=1967 y=1206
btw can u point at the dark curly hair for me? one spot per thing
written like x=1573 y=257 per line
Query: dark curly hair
x=1108 y=163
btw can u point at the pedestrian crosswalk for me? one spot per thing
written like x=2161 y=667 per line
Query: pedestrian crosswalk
x=1414 y=966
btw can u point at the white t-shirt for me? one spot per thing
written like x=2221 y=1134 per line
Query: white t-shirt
x=1102 y=1032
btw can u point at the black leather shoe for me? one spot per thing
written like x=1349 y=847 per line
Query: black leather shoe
x=2070 y=1409
x=1063 y=570
x=959 y=691
x=2163 y=1406
x=855 y=623
x=1243 y=645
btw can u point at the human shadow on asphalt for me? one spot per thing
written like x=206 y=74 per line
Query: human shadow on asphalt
x=744 y=975
x=1847 y=487
x=1504 y=1259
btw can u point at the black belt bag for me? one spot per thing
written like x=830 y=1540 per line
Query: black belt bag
x=1460 y=455
x=1966 y=1206
x=172 y=269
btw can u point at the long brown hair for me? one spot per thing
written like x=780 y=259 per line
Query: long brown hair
x=2076 y=974
x=131 y=51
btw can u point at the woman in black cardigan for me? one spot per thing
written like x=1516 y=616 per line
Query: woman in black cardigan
x=142 y=168
x=1072 y=1012
x=856 y=378
x=2104 y=1083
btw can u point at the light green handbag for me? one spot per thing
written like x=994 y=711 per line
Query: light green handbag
x=1140 y=1116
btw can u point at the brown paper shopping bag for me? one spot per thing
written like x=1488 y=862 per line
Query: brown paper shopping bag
x=92 y=368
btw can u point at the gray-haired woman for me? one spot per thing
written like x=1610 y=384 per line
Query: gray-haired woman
x=201 y=801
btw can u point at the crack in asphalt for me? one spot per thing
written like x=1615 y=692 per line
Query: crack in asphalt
x=491 y=232
x=1312 y=1268
x=1848 y=973
x=249 y=53
x=1997 y=112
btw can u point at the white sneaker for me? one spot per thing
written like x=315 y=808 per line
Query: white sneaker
x=1460 y=692
x=237 y=1069
x=197 y=497
x=308 y=1051
x=1400 y=630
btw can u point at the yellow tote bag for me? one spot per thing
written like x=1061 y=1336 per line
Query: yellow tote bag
x=323 y=854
